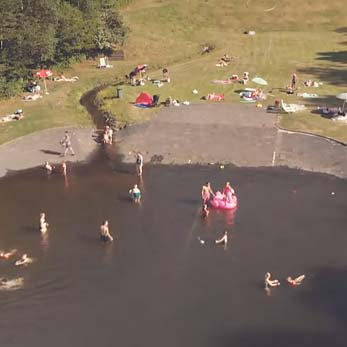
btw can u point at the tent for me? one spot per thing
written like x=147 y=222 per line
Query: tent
x=144 y=99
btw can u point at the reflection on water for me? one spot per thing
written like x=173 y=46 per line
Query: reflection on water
x=157 y=283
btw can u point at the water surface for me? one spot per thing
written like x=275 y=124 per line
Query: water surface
x=157 y=285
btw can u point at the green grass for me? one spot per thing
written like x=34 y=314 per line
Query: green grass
x=60 y=108
x=290 y=37
x=306 y=37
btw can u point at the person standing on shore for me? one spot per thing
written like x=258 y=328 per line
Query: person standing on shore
x=66 y=143
x=139 y=163
x=43 y=223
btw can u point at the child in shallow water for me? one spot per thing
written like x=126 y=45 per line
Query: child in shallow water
x=136 y=194
x=205 y=211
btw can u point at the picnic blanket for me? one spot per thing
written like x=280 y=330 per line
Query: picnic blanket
x=215 y=97
x=308 y=95
x=226 y=81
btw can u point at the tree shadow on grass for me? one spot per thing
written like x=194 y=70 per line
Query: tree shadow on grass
x=335 y=57
x=342 y=30
x=334 y=75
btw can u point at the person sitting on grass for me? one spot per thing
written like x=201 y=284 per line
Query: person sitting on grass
x=166 y=77
x=245 y=78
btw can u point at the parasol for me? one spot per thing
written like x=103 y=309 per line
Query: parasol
x=44 y=74
x=342 y=96
x=259 y=80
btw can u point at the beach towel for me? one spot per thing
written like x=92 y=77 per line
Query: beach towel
x=226 y=81
x=215 y=97
x=308 y=95
x=292 y=108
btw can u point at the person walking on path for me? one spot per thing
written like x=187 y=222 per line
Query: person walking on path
x=66 y=143
x=139 y=163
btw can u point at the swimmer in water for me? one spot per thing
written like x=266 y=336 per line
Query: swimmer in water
x=43 y=223
x=205 y=211
x=105 y=235
x=296 y=281
x=223 y=240
x=7 y=255
x=25 y=260
x=48 y=167
x=64 y=168
x=268 y=282
x=136 y=194
x=13 y=284
x=206 y=193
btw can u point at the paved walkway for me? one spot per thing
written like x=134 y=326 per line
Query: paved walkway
x=225 y=133
x=203 y=133
x=34 y=149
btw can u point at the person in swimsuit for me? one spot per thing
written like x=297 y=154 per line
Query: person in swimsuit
x=296 y=281
x=13 y=284
x=294 y=81
x=268 y=282
x=48 y=167
x=25 y=260
x=64 y=168
x=136 y=194
x=43 y=223
x=7 y=255
x=205 y=211
x=228 y=191
x=105 y=235
x=206 y=193
x=223 y=240
x=139 y=163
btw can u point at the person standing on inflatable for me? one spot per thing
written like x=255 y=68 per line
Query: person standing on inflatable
x=229 y=192
x=206 y=193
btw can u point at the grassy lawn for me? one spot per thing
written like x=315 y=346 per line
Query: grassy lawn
x=60 y=108
x=303 y=37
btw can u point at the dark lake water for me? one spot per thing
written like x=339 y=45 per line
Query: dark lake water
x=156 y=285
